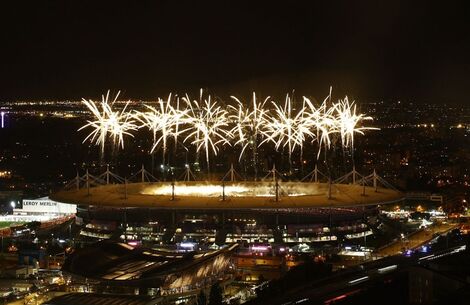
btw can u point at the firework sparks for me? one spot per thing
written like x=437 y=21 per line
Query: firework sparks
x=208 y=125
x=108 y=123
x=288 y=128
x=163 y=121
x=323 y=121
x=348 y=121
x=340 y=117
x=249 y=122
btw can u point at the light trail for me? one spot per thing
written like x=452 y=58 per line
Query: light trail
x=358 y=280
x=387 y=269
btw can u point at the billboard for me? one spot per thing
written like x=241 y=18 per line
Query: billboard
x=45 y=206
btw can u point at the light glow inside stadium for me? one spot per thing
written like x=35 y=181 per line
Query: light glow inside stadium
x=232 y=190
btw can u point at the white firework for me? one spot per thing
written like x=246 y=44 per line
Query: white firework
x=322 y=122
x=163 y=121
x=248 y=123
x=287 y=128
x=207 y=125
x=348 y=121
x=108 y=123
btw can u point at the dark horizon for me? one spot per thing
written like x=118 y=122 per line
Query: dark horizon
x=370 y=50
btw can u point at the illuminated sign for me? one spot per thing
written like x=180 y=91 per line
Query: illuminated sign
x=45 y=205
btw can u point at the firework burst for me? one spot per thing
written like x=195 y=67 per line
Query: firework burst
x=248 y=122
x=321 y=122
x=207 y=125
x=163 y=121
x=347 y=121
x=108 y=123
x=288 y=128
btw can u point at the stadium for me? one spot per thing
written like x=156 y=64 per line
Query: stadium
x=227 y=206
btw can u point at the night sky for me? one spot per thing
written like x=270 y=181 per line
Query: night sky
x=371 y=50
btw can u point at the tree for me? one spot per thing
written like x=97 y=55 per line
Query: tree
x=215 y=296
x=201 y=298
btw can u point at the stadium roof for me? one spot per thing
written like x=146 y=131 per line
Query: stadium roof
x=136 y=195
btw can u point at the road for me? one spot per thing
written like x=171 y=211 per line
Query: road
x=415 y=240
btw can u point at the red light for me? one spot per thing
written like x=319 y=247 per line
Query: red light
x=343 y=296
